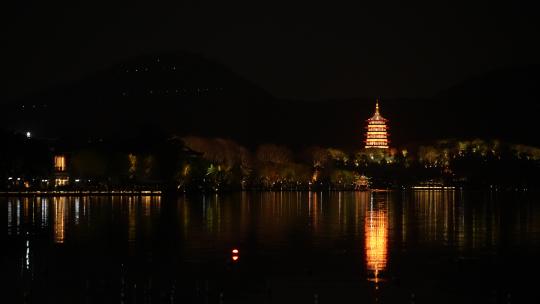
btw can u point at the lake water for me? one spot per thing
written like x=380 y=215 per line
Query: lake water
x=293 y=247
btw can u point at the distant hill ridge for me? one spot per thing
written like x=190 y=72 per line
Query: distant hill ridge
x=187 y=94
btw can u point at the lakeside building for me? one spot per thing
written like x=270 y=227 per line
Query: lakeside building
x=61 y=177
x=377 y=136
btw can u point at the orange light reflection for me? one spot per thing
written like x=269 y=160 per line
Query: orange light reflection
x=376 y=236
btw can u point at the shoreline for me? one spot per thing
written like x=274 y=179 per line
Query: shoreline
x=162 y=193
x=78 y=193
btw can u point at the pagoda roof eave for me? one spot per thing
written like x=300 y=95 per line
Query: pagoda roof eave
x=378 y=119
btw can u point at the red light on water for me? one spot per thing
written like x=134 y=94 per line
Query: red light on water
x=235 y=254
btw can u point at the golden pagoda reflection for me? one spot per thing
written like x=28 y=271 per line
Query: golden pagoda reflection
x=59 y=219
x=376 y=237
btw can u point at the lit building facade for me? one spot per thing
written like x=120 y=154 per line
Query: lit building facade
x=377 y=131
x=61 y=177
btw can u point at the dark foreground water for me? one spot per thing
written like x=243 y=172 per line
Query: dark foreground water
x=393 y=247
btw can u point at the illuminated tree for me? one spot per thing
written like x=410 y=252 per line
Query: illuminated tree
x=273 y=154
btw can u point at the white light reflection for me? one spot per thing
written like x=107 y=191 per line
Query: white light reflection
x=18 y=217
x=27 y=257
x=77 y=210
x=44 y=212
x=9 y=216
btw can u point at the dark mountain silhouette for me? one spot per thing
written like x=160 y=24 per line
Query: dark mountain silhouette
x=502 y=104
x=179 y=92
x=187 y=94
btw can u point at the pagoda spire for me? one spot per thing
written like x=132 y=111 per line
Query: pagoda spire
x=377 y=106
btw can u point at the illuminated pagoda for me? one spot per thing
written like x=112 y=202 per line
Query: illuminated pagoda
x=377 y=131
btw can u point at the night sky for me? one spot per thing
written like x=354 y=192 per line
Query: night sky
x=293 y=49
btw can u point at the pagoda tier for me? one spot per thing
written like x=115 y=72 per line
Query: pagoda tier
x=377 y=131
